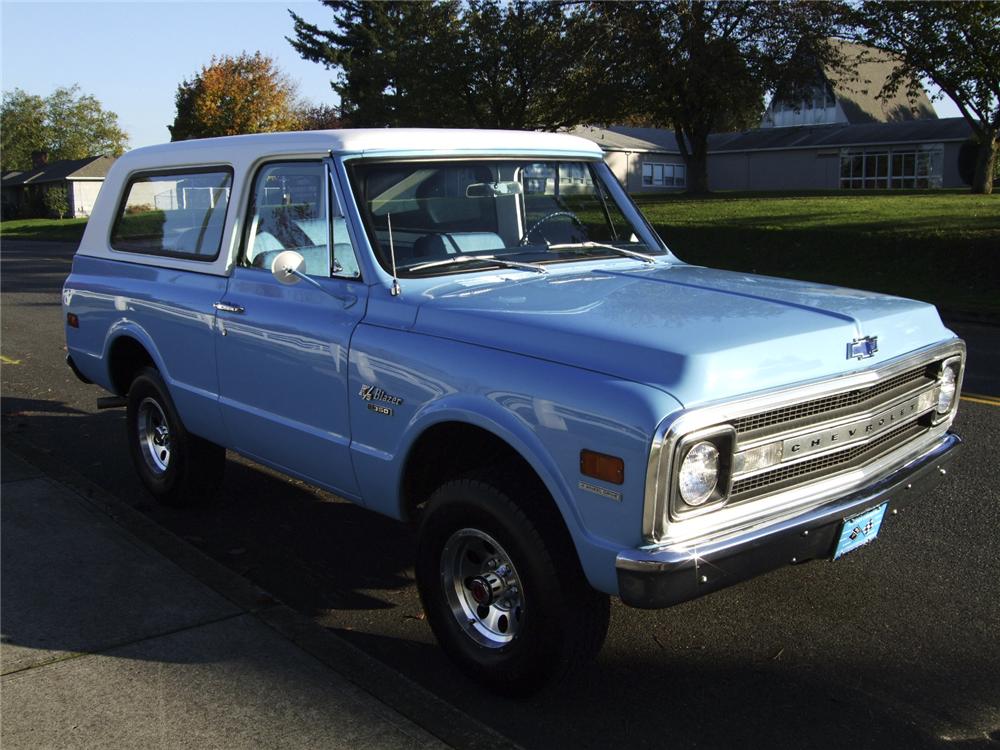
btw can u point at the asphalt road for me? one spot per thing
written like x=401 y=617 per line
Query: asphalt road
x=896 y=645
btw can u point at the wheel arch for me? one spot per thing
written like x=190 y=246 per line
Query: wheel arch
x=128 y=349
x=478 y=428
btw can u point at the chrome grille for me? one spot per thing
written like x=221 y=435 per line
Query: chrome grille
x=828 y=406
x=828 y=463
x=800 y=446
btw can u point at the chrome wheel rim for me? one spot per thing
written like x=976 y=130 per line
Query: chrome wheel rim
x=482 y=588
x=154 y=436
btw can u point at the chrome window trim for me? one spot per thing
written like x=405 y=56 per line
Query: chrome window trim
x=129 y=181
x=657 y=530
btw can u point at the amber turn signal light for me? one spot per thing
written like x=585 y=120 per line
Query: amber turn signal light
x=72 y=321
x=602 y=466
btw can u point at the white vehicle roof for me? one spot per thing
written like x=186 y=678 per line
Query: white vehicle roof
x=369 y=141
x=244 y=152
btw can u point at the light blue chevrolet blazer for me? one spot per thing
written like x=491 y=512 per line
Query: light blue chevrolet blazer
x=478 y=333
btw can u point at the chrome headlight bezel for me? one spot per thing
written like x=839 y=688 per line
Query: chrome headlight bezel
x=723 y=438
x=955 y=366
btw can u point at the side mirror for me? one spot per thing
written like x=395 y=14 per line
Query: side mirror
x=287 y=267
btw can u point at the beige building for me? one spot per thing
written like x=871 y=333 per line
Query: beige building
x=915 y=154
x=838 y=135
x=23 y=191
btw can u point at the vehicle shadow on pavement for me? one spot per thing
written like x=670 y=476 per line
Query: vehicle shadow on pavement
x=685 y=700
x=316 y=551
x=709 y=673
x=319 y=551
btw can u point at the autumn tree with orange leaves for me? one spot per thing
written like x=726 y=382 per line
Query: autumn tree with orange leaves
x=233 y=95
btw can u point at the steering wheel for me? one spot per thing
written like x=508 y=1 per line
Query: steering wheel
x=554 y=214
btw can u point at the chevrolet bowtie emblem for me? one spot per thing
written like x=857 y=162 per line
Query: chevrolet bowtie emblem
x=862 y=348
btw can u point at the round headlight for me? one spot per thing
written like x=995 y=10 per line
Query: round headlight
x=947 y=387
x=699 y=473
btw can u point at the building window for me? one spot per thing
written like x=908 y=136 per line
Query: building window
x=903 y=169
x=574 y=173
x=663 y=175
x=817 y=106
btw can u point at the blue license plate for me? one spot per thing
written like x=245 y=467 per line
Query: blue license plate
x=860 y=530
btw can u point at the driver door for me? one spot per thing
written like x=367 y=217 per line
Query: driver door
x=282 y=349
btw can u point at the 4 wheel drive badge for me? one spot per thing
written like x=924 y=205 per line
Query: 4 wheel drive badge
x=371 y=393
x=862 y=348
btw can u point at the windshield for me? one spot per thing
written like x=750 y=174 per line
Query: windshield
x=444 y=217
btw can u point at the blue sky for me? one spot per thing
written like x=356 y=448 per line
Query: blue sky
x=132 y=55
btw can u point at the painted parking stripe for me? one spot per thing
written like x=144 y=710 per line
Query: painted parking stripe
x=979 y=399
x=8 y=361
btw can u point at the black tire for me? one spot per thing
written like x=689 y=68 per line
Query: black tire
x=178 y=468
x=562 y=622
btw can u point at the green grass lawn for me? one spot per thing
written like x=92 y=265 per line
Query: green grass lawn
x=940 y=246
x=67 y=230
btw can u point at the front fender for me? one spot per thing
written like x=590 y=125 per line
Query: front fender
x=546 y=412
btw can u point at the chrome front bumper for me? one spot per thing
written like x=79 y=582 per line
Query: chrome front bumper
x=653 y=578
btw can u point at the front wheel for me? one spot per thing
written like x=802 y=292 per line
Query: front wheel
x=502 y=589
x=177 y=468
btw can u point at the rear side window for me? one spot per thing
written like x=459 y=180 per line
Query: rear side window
x=180 y=213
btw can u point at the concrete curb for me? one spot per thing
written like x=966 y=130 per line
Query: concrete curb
x=423 y=708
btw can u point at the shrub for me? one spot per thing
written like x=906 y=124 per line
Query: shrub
x=56 y=201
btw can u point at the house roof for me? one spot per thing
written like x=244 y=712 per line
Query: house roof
x=90 y=168
x=859 y=79
x=621 y=138
x=624 y=138
x=843 y=134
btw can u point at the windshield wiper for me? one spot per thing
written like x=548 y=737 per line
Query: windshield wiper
x=620 y=250
x=470 y=258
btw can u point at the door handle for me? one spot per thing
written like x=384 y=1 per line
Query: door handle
x=228 y=307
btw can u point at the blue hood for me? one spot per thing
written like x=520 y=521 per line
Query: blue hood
x=697 y=333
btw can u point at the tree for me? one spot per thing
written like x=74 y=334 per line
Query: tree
x=693 y=66
x=484 y=63
x=56 y=201
x=234 y=95
x=395 y=62
x=957 y=46
x=63 y=125
x=319 y=117
x=527 y=66
x=700 y=67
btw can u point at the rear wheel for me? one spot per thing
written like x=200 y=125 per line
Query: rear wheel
x=176 y=467
x=502 y=588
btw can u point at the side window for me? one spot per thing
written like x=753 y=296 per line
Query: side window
x=345 y=261
x=288 y=211
x=179 y=213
